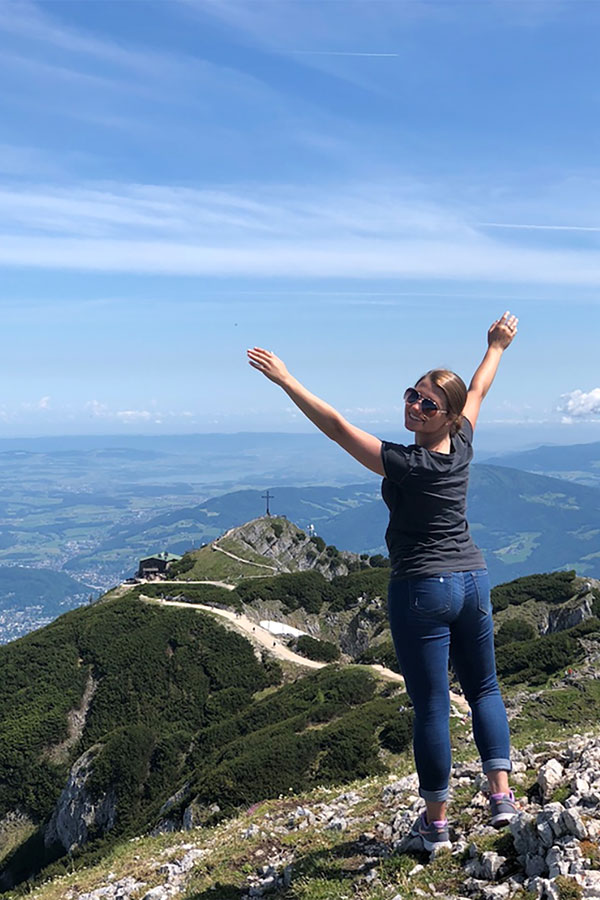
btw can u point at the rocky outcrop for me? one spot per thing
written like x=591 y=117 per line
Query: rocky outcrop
x=76 y=720
x=287 y=546
x=571 y=613
x=79 y=815
x=550 y=850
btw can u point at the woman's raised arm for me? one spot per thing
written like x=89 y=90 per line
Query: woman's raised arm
x=500 y=335
x=364 y=447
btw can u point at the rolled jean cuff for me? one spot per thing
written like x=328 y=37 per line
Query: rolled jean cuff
x=434 y=796
x=490 y=765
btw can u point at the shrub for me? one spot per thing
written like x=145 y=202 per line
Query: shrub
x=308 y=590
x=554 y=587
x=277 y=528
x=534 y=661
x=181 y=566
x=515 y=630
x=318 y=542
x=368 y=583
x=378 y=561
x=383 y=654
x=323 y=651
x=396 y=736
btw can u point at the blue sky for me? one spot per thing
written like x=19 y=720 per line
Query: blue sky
x=359 y=185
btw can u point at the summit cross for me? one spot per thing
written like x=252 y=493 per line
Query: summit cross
x=268 y=496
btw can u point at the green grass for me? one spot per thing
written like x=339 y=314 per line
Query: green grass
x=238 y=548
x=557 y=712
x=211 y=565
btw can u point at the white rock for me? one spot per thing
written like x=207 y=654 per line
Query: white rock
x=491 y=863
x=592 y=884
x=156 y=893
x=522 y=829
x=496 y=892
x=481 y=782
x=549 y=777
x=537 y=886
x=407 y=783
x=191 y=858
x=556 y=862
x=171 y=870
x=580 y=785
x=573 y=824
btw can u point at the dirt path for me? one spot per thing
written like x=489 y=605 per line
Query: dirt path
x=222 y=584
x=281 y=651
x=254 y=631
x=248 y=562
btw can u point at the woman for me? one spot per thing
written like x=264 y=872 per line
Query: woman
x=439 y=595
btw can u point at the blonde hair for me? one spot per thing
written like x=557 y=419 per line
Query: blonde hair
x=454 y=390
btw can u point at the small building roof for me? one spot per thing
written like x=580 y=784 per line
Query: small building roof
x=162 y=554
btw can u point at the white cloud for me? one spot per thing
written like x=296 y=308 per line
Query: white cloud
x=354 y=231
x=580 y=404
x=134 y=415
x=96 y=409
x=473 y=260
x=41 y=405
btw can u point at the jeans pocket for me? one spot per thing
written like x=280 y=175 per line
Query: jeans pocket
x=481 y=581
x=431 y=596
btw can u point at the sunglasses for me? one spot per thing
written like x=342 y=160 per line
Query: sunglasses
x=428 y=407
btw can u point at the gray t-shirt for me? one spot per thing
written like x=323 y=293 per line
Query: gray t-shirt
x=426 y=494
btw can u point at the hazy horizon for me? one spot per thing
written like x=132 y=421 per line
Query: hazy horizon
x=489 y=438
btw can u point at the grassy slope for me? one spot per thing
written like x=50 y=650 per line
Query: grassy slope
x=166 y=675
x=214 y=566
x=327 y=865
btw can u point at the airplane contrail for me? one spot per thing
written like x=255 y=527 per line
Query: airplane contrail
x=533 y=227
x=340 y=53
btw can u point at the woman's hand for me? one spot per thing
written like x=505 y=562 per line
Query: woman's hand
x=269 y=364
x=502 y=331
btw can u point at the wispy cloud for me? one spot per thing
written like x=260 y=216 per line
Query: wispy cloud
x=358 y=231
x=98 y=79
x=526 y=226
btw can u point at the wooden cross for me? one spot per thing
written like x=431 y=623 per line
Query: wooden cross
x=268 y=496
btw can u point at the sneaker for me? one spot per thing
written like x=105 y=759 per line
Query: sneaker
x=502 y=809
x=434 y=835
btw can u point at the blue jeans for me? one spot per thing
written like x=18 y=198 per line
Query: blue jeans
x=431 y=618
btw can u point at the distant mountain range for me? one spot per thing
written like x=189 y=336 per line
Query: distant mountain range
x=523 y=522
x=92 y=507
x=576 y=462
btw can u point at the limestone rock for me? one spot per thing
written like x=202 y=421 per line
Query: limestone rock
x=550 y=777
x=77 y=814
